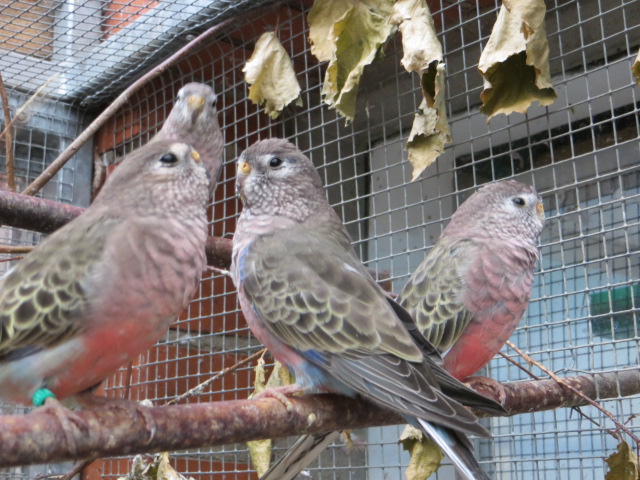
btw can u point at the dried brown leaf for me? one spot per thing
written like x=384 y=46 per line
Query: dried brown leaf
x=623 y=464
x=166 y=471
x=322 y=16
x=270 y=73
x=515 y=61
x=430 y=131
x=260 y=450
x=357 y=36
x=423 y=53
x=420 y=45
x=158 y=469
x=426 y=455
x=635 y=69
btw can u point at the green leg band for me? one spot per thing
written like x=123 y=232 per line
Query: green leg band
x=41 y=396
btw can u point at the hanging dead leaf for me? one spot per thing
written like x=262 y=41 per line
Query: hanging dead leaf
x=356 y=37
x=322 y=16
x=426 y=455
x=158 y=469
x=270 y=73
x=139 y=470
x=348 y=440
x=635 y=69
x=623 y=464
x=430 y=131
x=260 y=450
x=420 y=45
x=166 y=471
x=515 y=61
x=423 y=53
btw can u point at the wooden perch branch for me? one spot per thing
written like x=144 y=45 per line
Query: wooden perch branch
x=37 y=214
x=38 y=437
x=45 y=216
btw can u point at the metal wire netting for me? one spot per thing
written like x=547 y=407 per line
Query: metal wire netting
x=581 y=153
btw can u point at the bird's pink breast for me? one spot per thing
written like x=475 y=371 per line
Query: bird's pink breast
x=104 y=351
x=479 y=343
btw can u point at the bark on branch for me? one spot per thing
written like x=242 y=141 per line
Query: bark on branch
x=45 y=216
x=38 y=437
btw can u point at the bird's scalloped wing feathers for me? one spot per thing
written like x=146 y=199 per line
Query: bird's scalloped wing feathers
x=403 y=387
x=432 y=294
x=436 y=375
x=42 y=299
x=314 y=297
x=328 y=308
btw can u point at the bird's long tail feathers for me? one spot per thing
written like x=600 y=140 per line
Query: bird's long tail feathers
x=306 y=449
x=457 y=448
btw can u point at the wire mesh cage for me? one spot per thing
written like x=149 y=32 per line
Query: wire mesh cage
x=581 y=153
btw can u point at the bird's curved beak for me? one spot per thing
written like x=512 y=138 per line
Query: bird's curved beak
x=195 y=155
x=244 y=168
x=196 y=102
x=540 y=210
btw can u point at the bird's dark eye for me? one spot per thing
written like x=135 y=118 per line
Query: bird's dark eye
x=275 y=162
x=169 y=159
x=518 y=201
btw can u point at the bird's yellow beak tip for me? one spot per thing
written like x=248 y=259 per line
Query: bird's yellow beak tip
x=195 y=155
x=244 y=168
x=540 y=209
x=196 y=102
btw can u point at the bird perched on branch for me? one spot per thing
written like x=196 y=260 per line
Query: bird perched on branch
x=313 y=304
x=469 y=293
x=194 y=121
x=106 y=286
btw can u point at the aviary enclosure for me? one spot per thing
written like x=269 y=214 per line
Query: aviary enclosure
x=68 y=60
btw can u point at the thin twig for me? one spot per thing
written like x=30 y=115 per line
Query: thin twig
x=221 y=373
x=99 y=175
x=525 y=370
x=122 y=99
x=15 y=249
x=127 y=385
x=535 y=377
x=577 y=392
x=10 y=259
x=18 y=116
x=8 y=139
x=601 y=427
x=577 y=409
x=76 y=469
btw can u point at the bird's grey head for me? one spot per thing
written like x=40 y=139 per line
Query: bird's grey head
x=507 y=207
x=195 y=105
x=276 y=178
x=158 y=175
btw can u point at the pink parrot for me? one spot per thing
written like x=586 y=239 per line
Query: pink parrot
x=469 y=293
